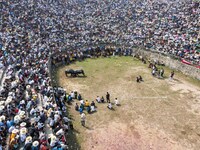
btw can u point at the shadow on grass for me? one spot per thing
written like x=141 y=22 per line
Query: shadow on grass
x=92 y=112
x=177 y=80
x=111 y=109
x=76 y=77
x=72 y=141
x=71 y=135
x=87 y=127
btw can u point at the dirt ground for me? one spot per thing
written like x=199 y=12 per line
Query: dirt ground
x=157 y=114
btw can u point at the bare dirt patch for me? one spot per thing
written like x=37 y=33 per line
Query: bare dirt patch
x=156 y=114
x=120 y=136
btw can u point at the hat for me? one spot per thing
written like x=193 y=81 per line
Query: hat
x=2 y=103
x=23 y=130
x=2 y=118
x=22 y=114
x=22 y=102
x=23 y=124
x=17 y=118
x=15 y=131
x=8 y=100
x=28 y=87
x=29 y=139
x=35 y=143
x=1 y=108
x=53 y=138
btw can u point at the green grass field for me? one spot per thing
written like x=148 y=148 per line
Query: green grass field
x=154 y=114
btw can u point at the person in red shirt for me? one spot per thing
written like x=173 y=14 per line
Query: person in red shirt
x=43 y=146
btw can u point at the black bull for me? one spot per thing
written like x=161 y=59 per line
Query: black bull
x=74 y=73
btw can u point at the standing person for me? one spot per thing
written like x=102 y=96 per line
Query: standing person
x=83 y=117
x=162 y=72
x=108 y=97
x=172 y=75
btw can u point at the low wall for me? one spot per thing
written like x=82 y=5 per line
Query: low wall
x=171 y=63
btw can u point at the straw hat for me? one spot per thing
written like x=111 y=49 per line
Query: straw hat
x=23 y=124
x=35 y=143
x=2 y=118
x=28 y=87
x=23 y=130
x=8 y=100
x=53 y=138
x=15 y=131
x=22 y=114
x=29 y=139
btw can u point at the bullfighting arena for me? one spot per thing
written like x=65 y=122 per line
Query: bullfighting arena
x=157 y=114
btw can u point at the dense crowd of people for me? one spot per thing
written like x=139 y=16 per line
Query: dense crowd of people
x=31 y=30
x=42 y=27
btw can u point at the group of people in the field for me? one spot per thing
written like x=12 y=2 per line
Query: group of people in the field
x=82 y=105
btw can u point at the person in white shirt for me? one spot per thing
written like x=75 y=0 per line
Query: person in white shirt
x=93 y=108
x=82 y=102
x=32 y=111
x=98 y=99
x=109 y=106
x=56 y=117
x=83 y=117
x=116 y=102
x=72 y=94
